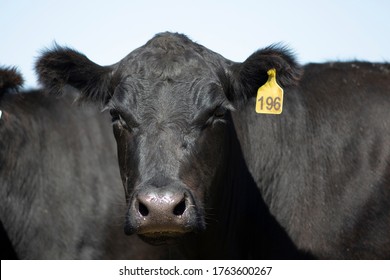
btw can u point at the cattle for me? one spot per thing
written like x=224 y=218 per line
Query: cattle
x=185 y=179
x=10 y=80
x=322 y=166
x=60 y=197
x=60 y=192
x=179 y=159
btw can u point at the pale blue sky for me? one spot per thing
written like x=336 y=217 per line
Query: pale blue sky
x=106 y=30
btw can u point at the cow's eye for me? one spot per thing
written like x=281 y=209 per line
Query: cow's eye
x=116 y=119
x=114 y=115
x=209 y=117
x=219 y=112
x=218 y=115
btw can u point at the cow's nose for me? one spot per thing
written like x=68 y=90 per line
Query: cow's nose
x=158 y=215
x=164 y=205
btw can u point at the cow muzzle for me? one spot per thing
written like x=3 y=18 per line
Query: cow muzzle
x=161 y=215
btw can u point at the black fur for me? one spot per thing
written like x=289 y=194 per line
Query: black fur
x=252 y=73
x=63 y=66
x=323 y=165
x=10 y=79
x=60 y=195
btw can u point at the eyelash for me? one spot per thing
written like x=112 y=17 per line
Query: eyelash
x=219 y=112
x=217 y=117
x=116 y=119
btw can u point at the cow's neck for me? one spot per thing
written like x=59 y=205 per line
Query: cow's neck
x=236 y=194
x=239 y=223
x=274 y=147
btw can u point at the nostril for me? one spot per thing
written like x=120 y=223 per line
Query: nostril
x=142 y=209
x=179 y=208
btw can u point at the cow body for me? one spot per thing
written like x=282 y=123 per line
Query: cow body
x=10 y=80
x=173 y=104
x=323 y=166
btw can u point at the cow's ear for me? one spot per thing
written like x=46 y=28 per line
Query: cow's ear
x=245 y=78
x=10 y=79
x=62 y=66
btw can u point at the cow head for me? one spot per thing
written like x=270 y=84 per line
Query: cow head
x=169 y=101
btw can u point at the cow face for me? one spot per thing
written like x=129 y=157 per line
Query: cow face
x=168 y=113
x=168 y=101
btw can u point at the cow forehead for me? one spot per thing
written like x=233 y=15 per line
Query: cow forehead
x=159 y=65
x=168 y=99
x=169 y=56
x=169 y=73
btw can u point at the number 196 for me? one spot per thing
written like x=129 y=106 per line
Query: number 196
x=270 y=103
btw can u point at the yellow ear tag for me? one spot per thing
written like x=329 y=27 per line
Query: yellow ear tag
x=270 y=96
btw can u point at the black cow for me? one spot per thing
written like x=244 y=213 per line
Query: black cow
x=69 y=209
x=59 y=181
x=10 y=80
x=322 y=166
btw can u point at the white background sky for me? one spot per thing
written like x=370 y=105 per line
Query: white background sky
x=107 y=30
